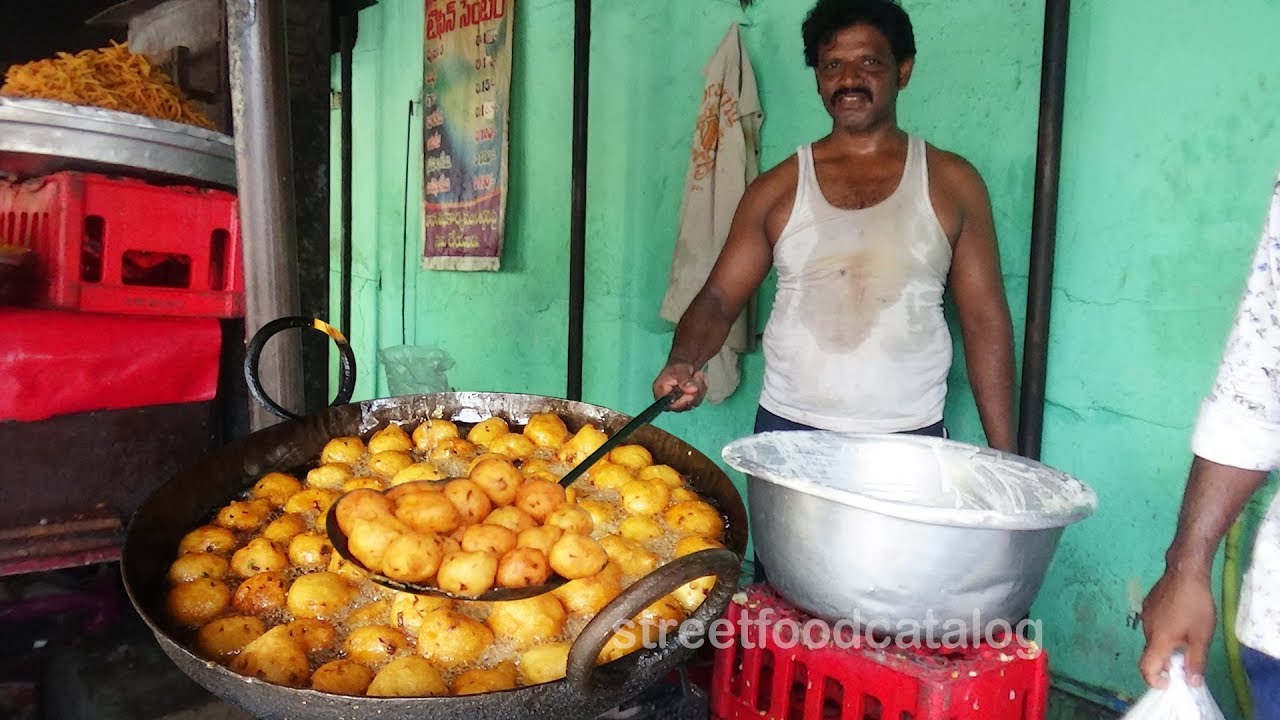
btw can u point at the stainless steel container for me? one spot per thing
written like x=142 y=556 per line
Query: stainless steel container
x=902 y=534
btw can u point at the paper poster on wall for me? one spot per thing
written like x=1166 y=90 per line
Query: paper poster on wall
x=467 y=86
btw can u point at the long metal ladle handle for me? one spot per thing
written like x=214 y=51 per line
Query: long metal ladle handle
x=636 y=423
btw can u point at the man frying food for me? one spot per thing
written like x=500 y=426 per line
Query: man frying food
x=866 y=227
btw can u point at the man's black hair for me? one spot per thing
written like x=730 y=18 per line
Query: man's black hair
x=831 y=16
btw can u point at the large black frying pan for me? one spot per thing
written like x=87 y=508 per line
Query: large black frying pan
x=191 y=498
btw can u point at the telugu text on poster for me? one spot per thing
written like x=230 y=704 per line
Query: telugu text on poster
x=465 y=107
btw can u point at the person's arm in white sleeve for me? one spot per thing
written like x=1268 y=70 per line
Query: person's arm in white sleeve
x=1236 y=444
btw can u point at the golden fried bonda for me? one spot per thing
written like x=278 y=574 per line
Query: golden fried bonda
x=261 y=593
x=342 y=677
x=408 y=677
x=523 y=567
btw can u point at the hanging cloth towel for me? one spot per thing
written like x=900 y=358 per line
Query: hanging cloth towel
x=725 y=158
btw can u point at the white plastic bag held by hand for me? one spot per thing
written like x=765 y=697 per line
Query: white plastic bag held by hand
x=1178 y=701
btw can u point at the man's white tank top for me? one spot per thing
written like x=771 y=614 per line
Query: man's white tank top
x=857 y=341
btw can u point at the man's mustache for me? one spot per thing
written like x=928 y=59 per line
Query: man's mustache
x=865 y=92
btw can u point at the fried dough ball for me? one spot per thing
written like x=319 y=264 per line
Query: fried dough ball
x=539 y=498
x=362 y=483
x=544 y=663
x=207 y=539
x=407 y=610
x=310 y=550
x=478 y=681
x=224 y=637
x=261 y=593
x=403 y=490
x=375 y=644
x=636 y=457
x=498 y=478
x=683 y=494
x=488 y=538
x=588 y=596
x=513 y=445
x=454 y=448
x=391 y=437
x=197 y=602
x=577 y=556
x=540 y=538
x=693 y=543
x=374 y=613
x=347 y=450
x=429 y=434
x=645 y=629
x=244 y=514
x=609 y=475
x=484 y=456
x=632 y=557
x=369 y=539
x=645 y=497
x=274 y=657
x=316 y=500
x=667 y=474
x=408 y=677
x=389 y=462
x=194 y=566
x=577 y=448
x=321 y=595
x=450 y=639
x=528 y=621
x=640 y=528
x=314 y=636
x=523 y=567
x=546 y=430
x=471 y=501
x=364 y=504
x=602 y=513
x=692 y=594
x=694 y=517
x=428 y=512
x=330 y=476
x=536 y=466
x=275 y=488
x=342 y=677
x=488 y=430
x=260 y=555
x=348 y=570
x=511 y=518
x=284 y=528
x=572 y=519
x=412 y=558
x=417 y=472
x=467 y=573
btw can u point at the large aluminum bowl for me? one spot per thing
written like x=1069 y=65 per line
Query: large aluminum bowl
x=903 y=533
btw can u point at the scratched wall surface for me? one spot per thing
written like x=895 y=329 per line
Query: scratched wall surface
x=1170 y=149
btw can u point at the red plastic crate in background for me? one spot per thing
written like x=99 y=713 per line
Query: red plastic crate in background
x=118 y=245
x=761 y=679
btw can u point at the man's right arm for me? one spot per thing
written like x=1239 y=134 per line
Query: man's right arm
x=1236 y=443
x=743 y=263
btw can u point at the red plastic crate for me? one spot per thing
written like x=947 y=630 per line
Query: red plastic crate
x=762 y=675
x=117 y=245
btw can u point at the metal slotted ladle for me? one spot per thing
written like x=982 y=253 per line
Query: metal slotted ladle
x=340 y=545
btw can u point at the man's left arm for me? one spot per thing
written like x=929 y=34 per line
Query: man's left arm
x=985 y=324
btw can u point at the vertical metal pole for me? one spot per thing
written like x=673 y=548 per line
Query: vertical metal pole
x=347 y=41
x=1044 y=226
x=264 y=175
x=578 y=201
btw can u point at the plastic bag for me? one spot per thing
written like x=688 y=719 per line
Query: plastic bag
x=416 y=369
x=1178 y=701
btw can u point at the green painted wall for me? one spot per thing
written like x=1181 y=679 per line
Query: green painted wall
x=1170 y=148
